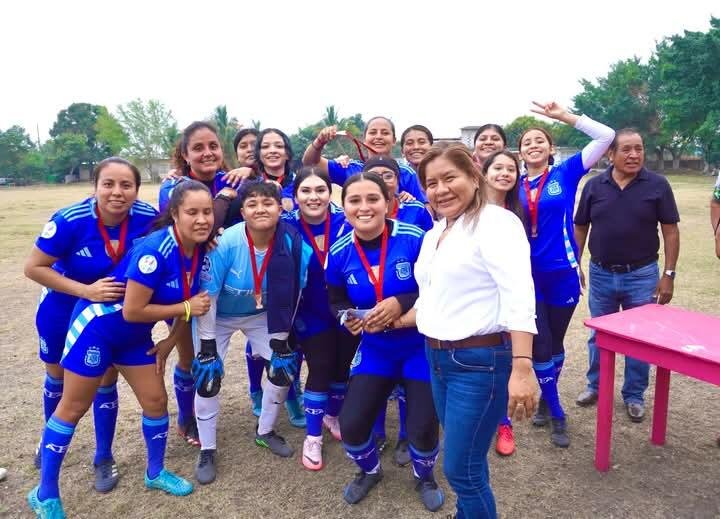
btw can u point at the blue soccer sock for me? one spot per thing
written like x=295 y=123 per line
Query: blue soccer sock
x=336 y=397
x=402 y=414
x=365 y=456
x=545 y=372
x=423 y=462
x=255 y=367
x=55 y=442
x=505 y=420
x=378 y=429
x=105 y=413
x=184 y=394
x=558 y=361
x=155 y=431
x=52 y=393
x=315 y=404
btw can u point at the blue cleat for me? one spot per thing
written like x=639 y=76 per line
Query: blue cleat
x=256 y=399
x=48 y=509
x=170 y=483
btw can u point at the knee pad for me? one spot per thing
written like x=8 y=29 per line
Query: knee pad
x=206 y=408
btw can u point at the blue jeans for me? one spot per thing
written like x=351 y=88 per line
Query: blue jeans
x=608 y=293
x=470 y=391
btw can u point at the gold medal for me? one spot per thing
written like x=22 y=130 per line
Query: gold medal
x=258 y=301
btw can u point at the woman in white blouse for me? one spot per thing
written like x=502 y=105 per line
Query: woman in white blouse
x=477 y=311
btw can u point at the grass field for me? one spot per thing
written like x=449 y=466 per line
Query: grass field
x=677 y=480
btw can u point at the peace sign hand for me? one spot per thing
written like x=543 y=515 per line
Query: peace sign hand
x=552 y=110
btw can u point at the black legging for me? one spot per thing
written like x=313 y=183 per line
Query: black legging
x=328 y=355
x=552 y=324
x=367 y=395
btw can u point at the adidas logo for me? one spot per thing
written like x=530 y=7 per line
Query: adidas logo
x=351 y=280
x=571 y=300
x=84 y=252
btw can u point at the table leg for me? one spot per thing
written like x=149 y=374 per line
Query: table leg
x=605 y=410
x=660 y=409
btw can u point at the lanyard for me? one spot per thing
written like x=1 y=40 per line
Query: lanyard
x=321 y=254
x=358 y=143
x=115 y=255
x=187 y=281
x=258 y=276
x=279 y=179
x=377 y=282
x=209 y=183
x=533 y=203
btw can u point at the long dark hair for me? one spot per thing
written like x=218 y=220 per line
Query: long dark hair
x=177 y=196
x=551 y=159
x=367 y=175
x=512 y=197
x=491 y=126
x=286 y=143
x=116 y=160
x=310 y=171
x=182 y=147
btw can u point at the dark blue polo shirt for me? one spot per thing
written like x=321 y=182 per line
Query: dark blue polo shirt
x=624 y=222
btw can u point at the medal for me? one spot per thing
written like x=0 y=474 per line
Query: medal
x=186 y=277
x=258 y=276
x=534 y=202
x=321 y=254
x=377 y=281
x=115 y=254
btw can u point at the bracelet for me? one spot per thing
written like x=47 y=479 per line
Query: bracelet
x=186 y=304
x=522 y=357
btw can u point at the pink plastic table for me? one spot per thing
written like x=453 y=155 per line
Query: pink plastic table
x=672 y=339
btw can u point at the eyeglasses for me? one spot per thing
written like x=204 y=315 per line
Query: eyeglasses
x=388 y=175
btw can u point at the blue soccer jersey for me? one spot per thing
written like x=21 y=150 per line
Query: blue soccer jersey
x=345 y=269
x=408 y=181
x=554 y=247
x=415 y=213
x=73 y=236
x=215 y=186
x=314 y=315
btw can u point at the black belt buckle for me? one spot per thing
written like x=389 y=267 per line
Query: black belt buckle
x=619 y=269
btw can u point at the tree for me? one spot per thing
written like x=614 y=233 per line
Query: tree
x=64 y=152
x=109 y=131
x=304 y=136
x=147 y=124
x=515 y=129
x=81 y=119
x=227 y=128
x=15 y=144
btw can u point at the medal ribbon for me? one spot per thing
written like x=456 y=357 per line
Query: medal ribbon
x=358 y=144
x=279 y=179
x=533 y=203
x=376 y=282
x=258 y=276
x=115 y=255
x=187 y=283
x=326 y=242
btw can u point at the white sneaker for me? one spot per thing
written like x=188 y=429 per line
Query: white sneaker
x=332 y=424
x=312 y=453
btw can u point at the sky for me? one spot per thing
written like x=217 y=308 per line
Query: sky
x=443 y=64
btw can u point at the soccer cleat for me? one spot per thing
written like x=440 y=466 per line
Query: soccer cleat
x=542 y=415
x=359 y=487
x=38 y=457
x=296 y=413
x=505 y=440
x=170 y=483
x=189 y=432
x=48 y=509
x=332 y=424
x=205 y=470
x=401 y=456
x=276 y=443
x=431 y=494
x=558 y=433
x=106 y=475
x=312 y=453
x=256 y=399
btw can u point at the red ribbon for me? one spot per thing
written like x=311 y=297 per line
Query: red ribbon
x=279 y=179
x=187 y=281
x=358 y=143
x=377 y=282
x=321 y=254
x=115 y=255
x=533 y=203
x=258 y=276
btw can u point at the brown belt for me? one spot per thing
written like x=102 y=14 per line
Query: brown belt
x=476 y=341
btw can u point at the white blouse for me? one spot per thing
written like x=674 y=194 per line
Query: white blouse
x=477 y=281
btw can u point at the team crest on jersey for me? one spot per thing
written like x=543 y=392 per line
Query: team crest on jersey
x=554 y=188
x=403 y=270
x=92 y=357
x=43 y=346
x=49 y=230
x=147 y=264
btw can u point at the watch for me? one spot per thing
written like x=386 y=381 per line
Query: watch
x=670 y=273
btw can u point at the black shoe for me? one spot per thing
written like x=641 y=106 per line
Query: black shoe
x=361 y=486
x=106 y=475
x=431 y=494
x=205 y=471
x=558 y=434
x=401 y=456
x=542 y=415
x=586 y=398
x=635 y=411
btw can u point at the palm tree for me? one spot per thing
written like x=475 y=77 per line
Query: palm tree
x=227 y=127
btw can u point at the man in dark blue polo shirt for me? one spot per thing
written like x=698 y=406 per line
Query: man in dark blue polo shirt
x=624 y=205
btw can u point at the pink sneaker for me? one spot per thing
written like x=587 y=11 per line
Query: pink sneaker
x=312 y=453
x=332 y=424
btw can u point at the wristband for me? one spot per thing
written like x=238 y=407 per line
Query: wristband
x=522 y=357
x=186 y=304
